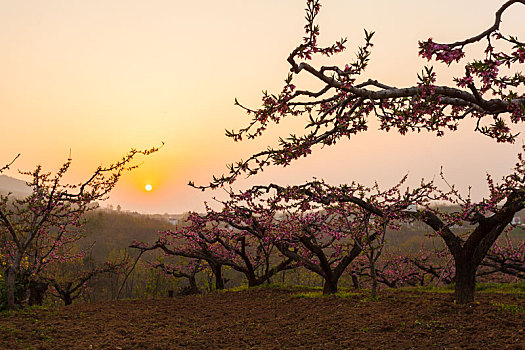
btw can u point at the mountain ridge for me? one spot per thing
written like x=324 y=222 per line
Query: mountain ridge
x=13 y=185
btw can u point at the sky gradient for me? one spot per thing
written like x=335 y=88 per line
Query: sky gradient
x=99 y=77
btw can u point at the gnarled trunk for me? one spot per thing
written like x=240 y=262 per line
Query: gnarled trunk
x=465 y=281
x=193 y=284
x=330 y=286
x=355 y=281
x=68 y=300
x=36 y=292
x=10 y=288
x=373 y=275
x=217 y=272
x=253 y=282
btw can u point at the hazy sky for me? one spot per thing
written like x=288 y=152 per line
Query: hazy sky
x=101 y=76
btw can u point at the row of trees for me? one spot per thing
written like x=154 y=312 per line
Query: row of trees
x=392 y=268
x=324 y=227
x=268 y=229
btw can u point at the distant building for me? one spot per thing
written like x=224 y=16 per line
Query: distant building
x=173 y=221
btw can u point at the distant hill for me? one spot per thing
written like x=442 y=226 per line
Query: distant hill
x=113 y=230
x=17 y=187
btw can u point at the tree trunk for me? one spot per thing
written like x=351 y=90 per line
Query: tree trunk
x=465 y=281
x=268 y=280
x=193 y=284
x=219 y=282
x=36 y=292
x=67 y=299
x=355 y=281
x=252 y=282
x=373 y=275
x=330 y=286
x=10 y=288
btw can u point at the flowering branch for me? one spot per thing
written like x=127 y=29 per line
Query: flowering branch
x=343 y=106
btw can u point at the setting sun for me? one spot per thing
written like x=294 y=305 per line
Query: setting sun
x=148 y=187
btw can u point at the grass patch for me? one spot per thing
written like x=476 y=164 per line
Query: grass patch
x=28 y=310
x=245 y=287
x=430 y=289
x=280 y=286
x=316 y=292
x=12 y=331
x=240 y=288
x=505 y=288
x=308 y=295
x=7 y=313
x=515 y=309
x=319 y=294
x=370 y=298
x=347 y=294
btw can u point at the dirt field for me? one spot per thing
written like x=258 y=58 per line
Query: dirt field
x=274 y=319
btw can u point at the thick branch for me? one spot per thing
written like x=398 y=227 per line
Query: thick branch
x=490 y=30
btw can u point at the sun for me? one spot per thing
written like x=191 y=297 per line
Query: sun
x=148 y=187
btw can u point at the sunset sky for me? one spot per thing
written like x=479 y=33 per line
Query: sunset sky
x=99 y=77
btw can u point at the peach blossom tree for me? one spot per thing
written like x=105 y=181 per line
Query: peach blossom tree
x=40 y=229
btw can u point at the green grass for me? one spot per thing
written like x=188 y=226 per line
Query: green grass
x=308 y=295
x=28 y=310
x=235 y=289
x=515 y=309
x=430 y=289
x=505 y=288
x=319 y=294
x=316 y=292
x=245 y=287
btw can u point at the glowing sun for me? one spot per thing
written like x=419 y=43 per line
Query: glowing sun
x=148 y=187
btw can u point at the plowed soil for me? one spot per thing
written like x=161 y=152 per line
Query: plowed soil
x=274 y=319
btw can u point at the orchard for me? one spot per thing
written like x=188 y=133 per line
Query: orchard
x=343 y=107
x=341 y=239
x=331 y=231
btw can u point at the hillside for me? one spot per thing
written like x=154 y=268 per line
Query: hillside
x=17 y=187
x=113 y=230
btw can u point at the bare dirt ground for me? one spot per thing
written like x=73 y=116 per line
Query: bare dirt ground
x=274 y=319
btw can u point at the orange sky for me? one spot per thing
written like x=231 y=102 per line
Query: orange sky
x=99 y=77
